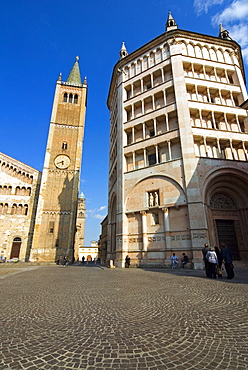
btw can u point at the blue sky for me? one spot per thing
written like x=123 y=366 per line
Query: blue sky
x=40 y=38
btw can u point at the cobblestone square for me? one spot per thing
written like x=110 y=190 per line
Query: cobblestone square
x=97 y=318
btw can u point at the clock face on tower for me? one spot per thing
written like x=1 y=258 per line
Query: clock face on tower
x=62 y=161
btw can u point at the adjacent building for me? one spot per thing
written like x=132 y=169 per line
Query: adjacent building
x=80 y=225
x=178 y=170
x=19 y=189
x=88 y=254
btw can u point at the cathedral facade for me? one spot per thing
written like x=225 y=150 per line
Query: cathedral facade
x=39 y=211
x=178 y=170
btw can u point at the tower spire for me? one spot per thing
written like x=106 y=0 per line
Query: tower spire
x=223 y=33
x=171 y=23
x=123 y=51
x=74 y=77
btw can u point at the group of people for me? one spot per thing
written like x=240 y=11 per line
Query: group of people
x=214 y=258
x=63 y=261
x=175 y=262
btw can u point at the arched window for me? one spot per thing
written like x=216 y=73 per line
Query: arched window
x=213 y=55
x=13 y=209
x=158 y=55
x=28 y=191
x=1 y=208
x=65 y=97
x=152 y=59
x=19 y=209
x=64 y=145
x=5 y=209
x=145 y=62
x=17 y=240
x=198 y=51
x=17 y=190
x=70 y=98
x=191 y=50
x=75 y=98
x=220 y=56
x=25 y=209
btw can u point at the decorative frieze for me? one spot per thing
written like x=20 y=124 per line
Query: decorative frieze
x=66 y=126
x=57 y=212
x=181 y=237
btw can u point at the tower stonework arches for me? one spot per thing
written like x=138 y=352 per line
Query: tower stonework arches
x=226 y=196
x=55 y=225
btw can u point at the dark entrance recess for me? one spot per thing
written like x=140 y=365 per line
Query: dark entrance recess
x=227 y=235
x=16 y=246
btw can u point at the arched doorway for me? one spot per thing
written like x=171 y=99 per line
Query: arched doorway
x=226 y=217
x=16 y=246
x=227 y=210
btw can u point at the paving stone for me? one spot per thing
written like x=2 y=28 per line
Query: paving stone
x=91 y=318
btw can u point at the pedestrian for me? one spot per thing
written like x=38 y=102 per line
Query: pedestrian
x=184 y=260
x=212 y=263
x=83 y=258
x=127 y=261
x=60 y=261
x=219 y=256
x=174 y=261
x=65 y=261
x=227 y=259
x=204 y=252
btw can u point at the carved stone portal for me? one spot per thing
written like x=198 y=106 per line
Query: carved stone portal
x=222 y=201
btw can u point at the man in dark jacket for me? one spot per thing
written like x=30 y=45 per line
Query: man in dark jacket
x=204 y=252
x=227 y=258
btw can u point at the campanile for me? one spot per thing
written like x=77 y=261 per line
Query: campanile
x=57 y=204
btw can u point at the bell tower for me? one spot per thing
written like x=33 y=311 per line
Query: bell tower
x=55 y=223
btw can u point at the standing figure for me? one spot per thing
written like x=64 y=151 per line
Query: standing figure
x=83 y=258
x=212 y=263
x=127 y=261
x=227 y=258
x=151 y=200
x=65 y=261
x=204 y=252
x=220 y=258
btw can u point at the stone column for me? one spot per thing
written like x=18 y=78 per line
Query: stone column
x=142 y=106
x=133 y=140
x=169 y=149
x=155 y=126
x=144 y=153
x=157 y=157
x=133 y=160
x=144 y=231
x=167 y=231
x=144 y=130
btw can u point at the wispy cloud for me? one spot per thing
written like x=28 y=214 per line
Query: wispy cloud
x=233 y=18
x=237 y=11
x=202 y=6
x=94 y=213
